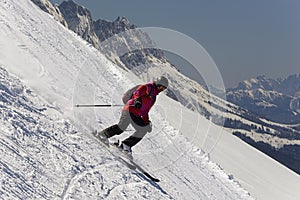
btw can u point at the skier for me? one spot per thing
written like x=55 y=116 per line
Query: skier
x=135 y=112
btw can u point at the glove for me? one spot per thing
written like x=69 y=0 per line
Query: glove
x=138 y=103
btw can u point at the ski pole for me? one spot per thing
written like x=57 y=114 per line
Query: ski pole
x=96 y=105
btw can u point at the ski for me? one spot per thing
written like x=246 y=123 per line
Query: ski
x=146 y=173
x=107 y=147
x=129 y=162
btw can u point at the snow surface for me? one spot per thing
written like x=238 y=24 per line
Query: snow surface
x=47 y=151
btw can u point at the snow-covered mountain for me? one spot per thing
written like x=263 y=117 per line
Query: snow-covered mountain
x=276 y=140
x=47 y=151
x=79 y=20
x=275 y=104
x=276 y=100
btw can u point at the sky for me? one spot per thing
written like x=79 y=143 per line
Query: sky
x=244 y=38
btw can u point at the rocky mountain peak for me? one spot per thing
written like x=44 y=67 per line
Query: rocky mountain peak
x=79 y=20
x=74 y=9
x=260 y=82
x=291 y=85
x=287 y=86
x=105 y=29
x=123 y=20
x=46 y=6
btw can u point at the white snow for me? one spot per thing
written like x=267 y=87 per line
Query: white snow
x=47 y=151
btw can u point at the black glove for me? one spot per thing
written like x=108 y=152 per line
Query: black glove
x=138 y=103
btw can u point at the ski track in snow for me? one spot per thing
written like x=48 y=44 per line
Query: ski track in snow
x=46 y=154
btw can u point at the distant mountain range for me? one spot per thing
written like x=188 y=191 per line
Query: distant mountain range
x=277 y=100
x=262 y=112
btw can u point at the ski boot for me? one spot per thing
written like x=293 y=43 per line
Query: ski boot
x=125 y=149
x=102 y=137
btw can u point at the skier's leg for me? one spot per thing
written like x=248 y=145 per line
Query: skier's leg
x=132 y=140
x=125 y=120
x=119 y=128
x=112 y=131
x=141 y=131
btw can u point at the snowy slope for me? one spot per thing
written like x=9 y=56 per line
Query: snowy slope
x=46 y=149
x=44 y=157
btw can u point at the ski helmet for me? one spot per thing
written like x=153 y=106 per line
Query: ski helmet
x=162 y=81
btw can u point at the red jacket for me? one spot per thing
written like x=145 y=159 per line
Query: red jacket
x=147 y=93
